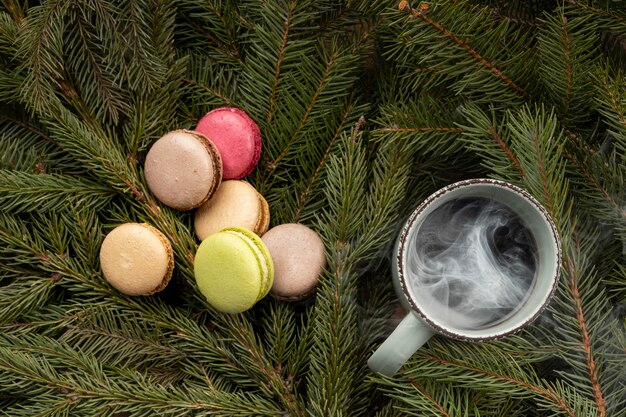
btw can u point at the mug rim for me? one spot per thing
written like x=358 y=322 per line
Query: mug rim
x=408 y=227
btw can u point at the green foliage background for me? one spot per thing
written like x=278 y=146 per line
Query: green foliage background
x=365 y=108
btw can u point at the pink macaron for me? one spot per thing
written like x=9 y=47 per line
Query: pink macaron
x=237 y=138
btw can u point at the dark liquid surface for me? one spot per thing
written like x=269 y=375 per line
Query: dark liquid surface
x=473 y=262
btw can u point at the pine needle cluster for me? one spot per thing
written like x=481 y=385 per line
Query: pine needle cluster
x=365 y=108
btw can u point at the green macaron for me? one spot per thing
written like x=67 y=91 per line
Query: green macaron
x=233 y=269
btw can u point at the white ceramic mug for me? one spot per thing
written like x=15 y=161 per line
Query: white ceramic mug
x=421 y=323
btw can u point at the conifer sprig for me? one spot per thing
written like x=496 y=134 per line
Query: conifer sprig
x=528 y=92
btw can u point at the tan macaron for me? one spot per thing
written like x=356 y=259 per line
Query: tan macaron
x=183 y=169
x=137 y=259
x=235 y=204
x=298 y=255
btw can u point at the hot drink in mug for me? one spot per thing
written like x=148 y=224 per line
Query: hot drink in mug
x=478 y=260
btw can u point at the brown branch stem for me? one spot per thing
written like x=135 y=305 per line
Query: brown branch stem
x=422 y=129
x=272 y=165
x=279 y=61
x=421 y=14
x=304 y=195
x=586 y=341
x=547 y=393
x=495 y=135
x=430 y=398
x=210 y=90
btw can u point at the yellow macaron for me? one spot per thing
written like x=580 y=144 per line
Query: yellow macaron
x=233 y=269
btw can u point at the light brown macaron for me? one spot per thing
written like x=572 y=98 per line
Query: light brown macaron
x=298 y=255
x=235 y=204
x=137 y=259
x=183 y=169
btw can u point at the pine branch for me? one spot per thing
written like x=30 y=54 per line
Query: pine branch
x=106 y=389
x=568 y=53
x=98 y=88
x=217 y=21
x=482 y=134
x=423 y=14
x=25 y=192
x=612 y=104
x=424 y=126
x=456 y=67
x=14 y=9
x=41 y=49
x=516 y=383
x=306 y=195
x=24 y=295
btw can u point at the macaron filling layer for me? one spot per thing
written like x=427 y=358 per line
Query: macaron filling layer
x=233 y=269
x=263 y=289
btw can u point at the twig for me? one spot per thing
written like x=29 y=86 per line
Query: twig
x=422 y=13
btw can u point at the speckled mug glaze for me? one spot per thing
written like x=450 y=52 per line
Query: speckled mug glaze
x=418 y=326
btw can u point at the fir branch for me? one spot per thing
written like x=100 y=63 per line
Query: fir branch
x=24 y=295
x=306 y=194
x=605 y=13
x=421 y=130
x=279 y=60
x=219 y=22
x=211 y=91
x=422 y=13
x=253 y=353
x=41 y=46
x=568 y=53
x=9 y=34
x=143 y=65
x=25 y=192
x=422 y=391
x=518 y=386
x=584 y=334
x=15 y=10
x=612 y=103
x=484 y=136
x=421 y=125
x=28 y=127
x=95 y=84
x=105 y=389
x=94 y=149
x=305 y=117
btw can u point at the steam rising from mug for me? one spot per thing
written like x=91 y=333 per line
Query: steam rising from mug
x=472 y=262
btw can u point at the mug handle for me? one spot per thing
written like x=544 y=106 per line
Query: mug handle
x=403 y=342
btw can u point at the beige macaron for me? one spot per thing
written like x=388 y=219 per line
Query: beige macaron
x=235 y=204
x=298 y=255
x=183 y=169
x=137 y=259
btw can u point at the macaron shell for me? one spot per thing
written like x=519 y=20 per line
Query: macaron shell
x=265 y=258
x=264 y=218
x=228 y=272
x=137 y=259
x=299 y=259
x=183 y=169
x=235 y=204
x=237 y=137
